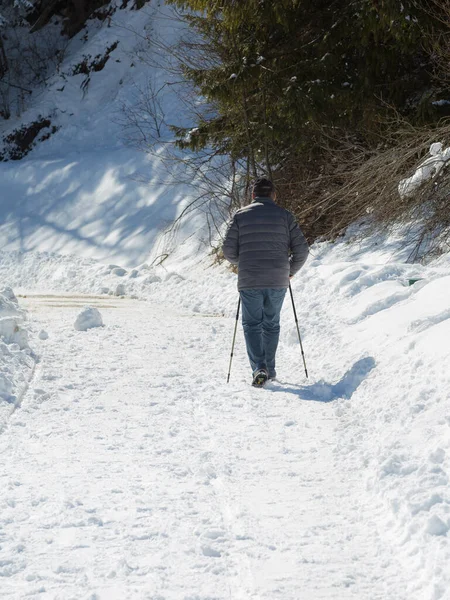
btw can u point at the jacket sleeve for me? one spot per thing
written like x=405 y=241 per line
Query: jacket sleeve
x=230 y=246
x=298 y=246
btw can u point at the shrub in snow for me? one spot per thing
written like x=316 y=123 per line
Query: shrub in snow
x=43 y=335
x=120 y=290
x=21 y=141
x=89 y=317
x=428 y=169
x=119 y=272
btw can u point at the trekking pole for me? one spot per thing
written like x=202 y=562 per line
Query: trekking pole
x=234 y=338
x=298 y=331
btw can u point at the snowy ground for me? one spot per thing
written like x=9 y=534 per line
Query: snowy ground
x=132 y=470
x=129 y=469
x=130 y=473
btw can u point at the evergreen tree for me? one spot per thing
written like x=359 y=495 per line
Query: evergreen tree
x=274 y=72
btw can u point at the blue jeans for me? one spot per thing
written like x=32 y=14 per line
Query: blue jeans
x=261 y=322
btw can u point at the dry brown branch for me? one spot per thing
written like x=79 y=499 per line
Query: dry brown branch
x=344 y=181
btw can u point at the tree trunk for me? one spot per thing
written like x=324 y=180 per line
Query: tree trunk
x=3 y=59
x=266 y=135
x=251 y=152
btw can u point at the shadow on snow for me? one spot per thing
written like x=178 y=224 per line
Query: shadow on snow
x=95 y=201
x=327 y=392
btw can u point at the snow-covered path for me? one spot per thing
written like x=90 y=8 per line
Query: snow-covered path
x=131 y=471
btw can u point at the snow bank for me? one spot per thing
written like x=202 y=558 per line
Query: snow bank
x=191 y=287
x=16 y=362
x=376 y=336
x=11 y=320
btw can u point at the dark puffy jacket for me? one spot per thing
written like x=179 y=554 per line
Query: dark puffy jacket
x=266 y=243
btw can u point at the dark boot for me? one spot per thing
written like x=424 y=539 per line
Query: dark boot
x=260 y=377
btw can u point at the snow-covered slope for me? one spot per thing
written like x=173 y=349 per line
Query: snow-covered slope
x=85 y=190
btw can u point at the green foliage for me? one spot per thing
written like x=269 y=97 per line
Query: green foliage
x=275 y=72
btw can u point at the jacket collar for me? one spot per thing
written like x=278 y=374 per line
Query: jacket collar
x=263 y=199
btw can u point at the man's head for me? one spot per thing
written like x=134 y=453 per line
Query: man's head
x=263 y=188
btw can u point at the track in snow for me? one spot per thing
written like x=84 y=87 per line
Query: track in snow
x=132 y=472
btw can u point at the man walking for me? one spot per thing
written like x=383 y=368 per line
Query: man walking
x=268 y=246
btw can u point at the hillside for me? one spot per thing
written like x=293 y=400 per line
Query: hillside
x=87 y=189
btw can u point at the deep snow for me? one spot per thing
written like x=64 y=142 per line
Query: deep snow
x=336 y=486
x=127 y=475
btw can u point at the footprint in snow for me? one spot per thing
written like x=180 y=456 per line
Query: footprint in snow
x=214 y=534
x=208 y=551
